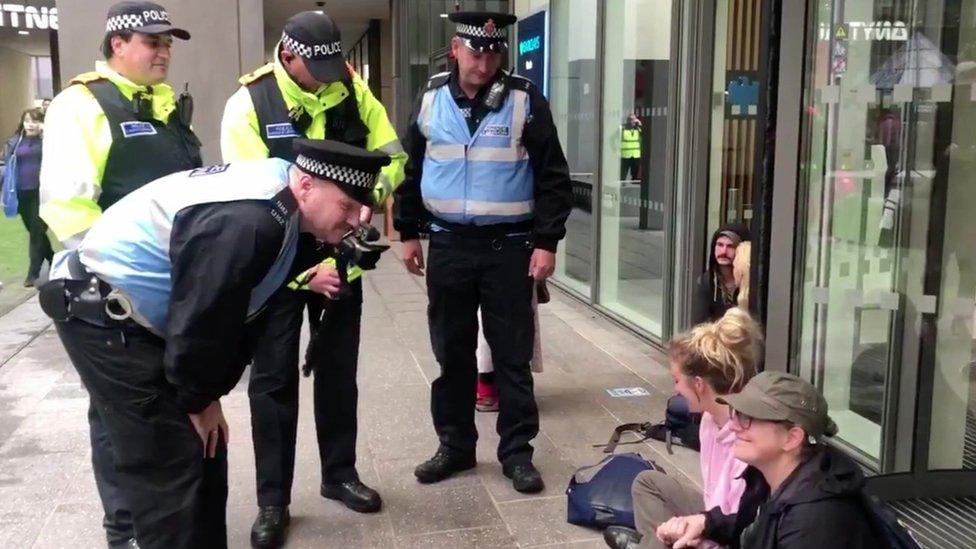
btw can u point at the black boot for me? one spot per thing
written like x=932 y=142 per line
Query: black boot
x=443 y=465
x=354 y=495
x=621 y=537
x=525 y=478
x=270 y=528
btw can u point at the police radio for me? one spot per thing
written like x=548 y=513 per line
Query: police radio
x=496 y=94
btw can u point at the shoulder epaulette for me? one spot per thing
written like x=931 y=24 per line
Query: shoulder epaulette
x=252 y=76
x=438 y=80
x=522 y=83
x=87 y=78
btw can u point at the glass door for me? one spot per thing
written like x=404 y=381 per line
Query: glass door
x=887 y=261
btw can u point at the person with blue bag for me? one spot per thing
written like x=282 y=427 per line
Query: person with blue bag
x=711 y=360
x=21 y=184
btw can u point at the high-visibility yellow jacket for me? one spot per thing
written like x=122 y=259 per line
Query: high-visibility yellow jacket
x=240 y=134
x=630 y=143
x=77 y=140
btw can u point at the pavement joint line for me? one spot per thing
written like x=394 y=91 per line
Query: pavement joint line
x=561 y=543
x=539 y=498
x=449 y=531
x=27 y=344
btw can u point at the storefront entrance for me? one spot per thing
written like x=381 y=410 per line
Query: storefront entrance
x=886 y=271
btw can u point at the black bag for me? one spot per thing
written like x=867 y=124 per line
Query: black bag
x=680 y=426
x=600 y=496
x=887 y=526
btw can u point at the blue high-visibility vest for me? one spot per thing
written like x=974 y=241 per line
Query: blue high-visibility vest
x=480 y=179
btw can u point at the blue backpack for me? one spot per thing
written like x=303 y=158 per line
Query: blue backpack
x=599 y=495
x=887 y=526
x=9 y=176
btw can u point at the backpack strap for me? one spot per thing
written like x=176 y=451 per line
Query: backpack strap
x=611 y=445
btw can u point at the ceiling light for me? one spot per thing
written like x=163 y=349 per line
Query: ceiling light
x=23 y=32
x=443 y=16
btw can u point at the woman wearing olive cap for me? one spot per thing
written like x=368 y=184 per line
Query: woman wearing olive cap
x=800 y=493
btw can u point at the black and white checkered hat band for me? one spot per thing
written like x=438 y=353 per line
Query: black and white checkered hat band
x=309 y=52
x=341 y=174
x=479 y=32
x=128 y=21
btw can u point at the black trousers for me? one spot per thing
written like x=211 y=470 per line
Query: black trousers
x=117 y=519
x=39 y=247
x=177 y=499
x=630 y=168
x=273 y=390
x=463 y=274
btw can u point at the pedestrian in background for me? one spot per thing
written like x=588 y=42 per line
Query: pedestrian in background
x=23 y=153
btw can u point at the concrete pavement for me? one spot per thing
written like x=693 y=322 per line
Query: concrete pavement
x=48 y=498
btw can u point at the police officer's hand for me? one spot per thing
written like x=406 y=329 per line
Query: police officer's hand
x=209 y=424
x=413 y=256
x=542 y=264
x=325 y=280
x=682 y=531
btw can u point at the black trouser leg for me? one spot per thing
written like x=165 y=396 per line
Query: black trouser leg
x=335 y=357
x=118 y=519
x=509 y=325
x=39 y=247
x=177 y=498
x=452 y=290
x=273 y=394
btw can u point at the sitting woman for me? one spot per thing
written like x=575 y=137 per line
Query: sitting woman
x=711 y=360
x=800 y=493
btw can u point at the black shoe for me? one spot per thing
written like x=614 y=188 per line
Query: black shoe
x=621 y=537
x=29 y=282
x=270 y=528
x=127 y=544
x=525 y=478
x=443 y=465
x=354 y=495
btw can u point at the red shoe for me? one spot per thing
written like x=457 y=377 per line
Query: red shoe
x=487 y=400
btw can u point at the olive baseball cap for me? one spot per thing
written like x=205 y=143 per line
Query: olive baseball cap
x=778 y=396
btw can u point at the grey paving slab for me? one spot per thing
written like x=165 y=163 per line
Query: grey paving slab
x=48 y=496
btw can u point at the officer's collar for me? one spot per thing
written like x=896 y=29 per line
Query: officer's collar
x=103 y=68
x=455 y=87
x=300 y=95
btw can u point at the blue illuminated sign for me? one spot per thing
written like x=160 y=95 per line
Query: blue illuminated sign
x=533 y=49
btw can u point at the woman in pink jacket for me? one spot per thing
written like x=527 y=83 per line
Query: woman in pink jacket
x=711 y=360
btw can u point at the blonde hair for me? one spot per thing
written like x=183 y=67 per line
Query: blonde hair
x=724 y=353
x=740 y=272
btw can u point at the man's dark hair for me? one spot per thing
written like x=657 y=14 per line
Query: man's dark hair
x=107 y=42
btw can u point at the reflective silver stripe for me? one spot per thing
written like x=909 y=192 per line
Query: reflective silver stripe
x=476 y=207
x=444 y=206
x=445 y=152
x=391 y=148
x=495 y=154
x=518 y=115
x=423 y=117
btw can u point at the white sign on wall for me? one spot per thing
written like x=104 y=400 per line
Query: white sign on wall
x=20 y=16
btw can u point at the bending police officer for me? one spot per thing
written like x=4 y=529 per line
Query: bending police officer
x=487 y=177
x=308 y=90
x=109 y=132
x=154 y=307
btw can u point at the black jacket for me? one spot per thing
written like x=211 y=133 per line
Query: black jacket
x=818 y=506
x=708 y=305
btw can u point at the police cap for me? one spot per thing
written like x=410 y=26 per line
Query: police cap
x=314 y=36
x=144 y=17
x=353 y=169
x=483 y=31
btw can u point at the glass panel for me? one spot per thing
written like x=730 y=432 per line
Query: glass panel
x=572 y=98
x=953 y=435
x=887 y=213
x=635 y=114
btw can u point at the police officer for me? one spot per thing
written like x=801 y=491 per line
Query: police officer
x=488 y=177
x=153 y=310
x=308 y=90
x=108 y=133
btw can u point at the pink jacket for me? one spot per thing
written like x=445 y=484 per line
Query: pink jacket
x=720 y=471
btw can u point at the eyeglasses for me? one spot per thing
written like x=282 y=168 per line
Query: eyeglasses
x=745 y=421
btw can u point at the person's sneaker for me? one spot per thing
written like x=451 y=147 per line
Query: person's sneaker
x=621 y=537
x=270 y=528
x=443 y=465
x=487 y=397
x=525 y=478
x=354 y=495
x=29 y=282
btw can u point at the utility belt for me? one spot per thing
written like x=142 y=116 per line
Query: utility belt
x=85 y=297
x=453 y=241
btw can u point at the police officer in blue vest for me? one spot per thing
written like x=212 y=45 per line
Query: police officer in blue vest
x=487 y=178
x=155 y=310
